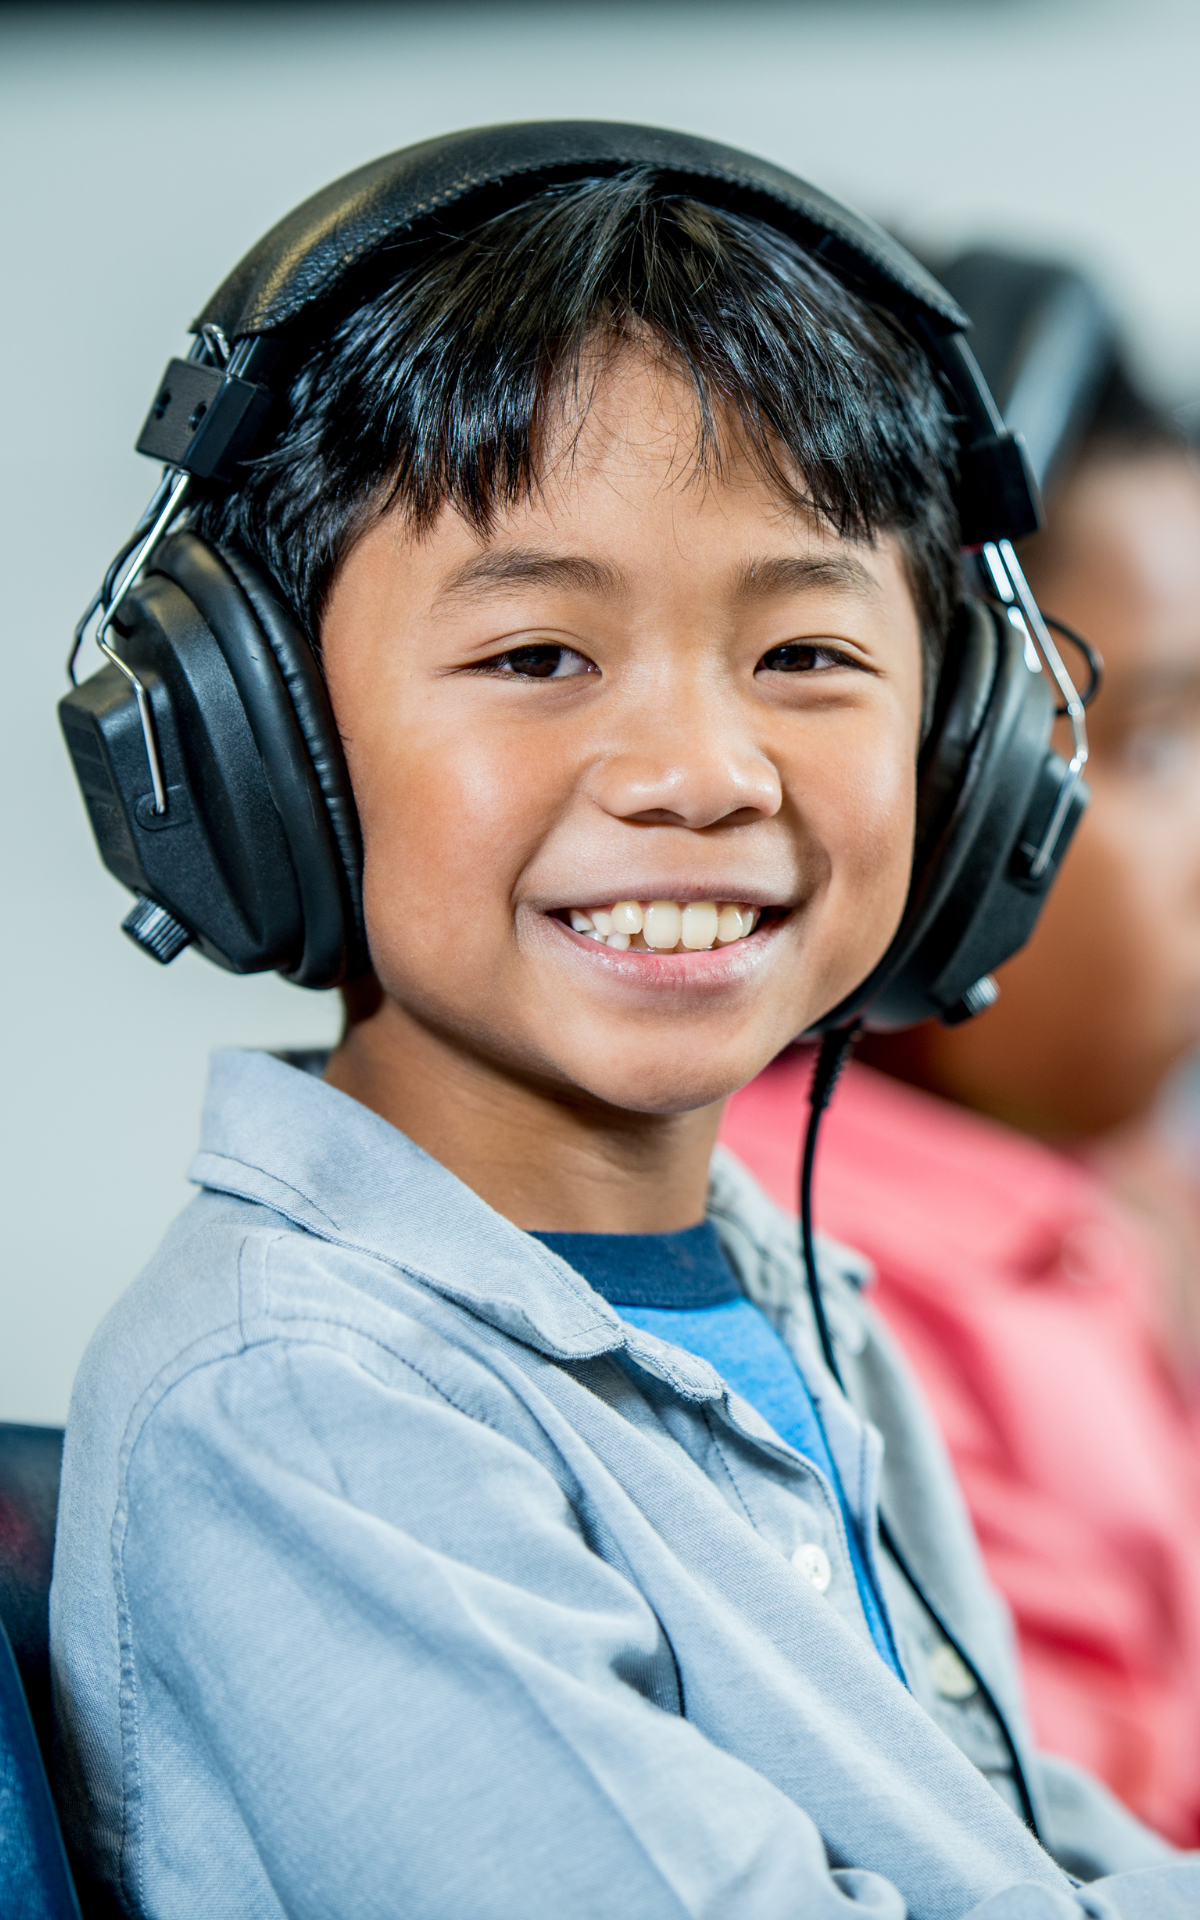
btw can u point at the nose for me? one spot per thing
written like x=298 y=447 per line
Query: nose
x=696 y=767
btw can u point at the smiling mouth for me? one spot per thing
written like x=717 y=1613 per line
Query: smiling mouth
x=668 y=926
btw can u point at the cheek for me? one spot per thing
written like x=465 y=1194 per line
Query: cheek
x=449 y=821
x=861 y=815
x=869 y=818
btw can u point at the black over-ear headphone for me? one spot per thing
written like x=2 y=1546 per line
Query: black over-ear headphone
x=206 y=747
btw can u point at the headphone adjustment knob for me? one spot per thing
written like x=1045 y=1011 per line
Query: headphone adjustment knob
x=976 y=999
x=155 y=931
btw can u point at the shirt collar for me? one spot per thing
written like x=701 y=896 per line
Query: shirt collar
x=279 y=1136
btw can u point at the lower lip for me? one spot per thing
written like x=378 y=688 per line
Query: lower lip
x=710 y=969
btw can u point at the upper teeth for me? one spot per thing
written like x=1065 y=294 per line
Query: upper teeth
x=665 y=925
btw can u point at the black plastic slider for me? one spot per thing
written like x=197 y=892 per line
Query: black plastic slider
x=998 y=495
x=204 y=421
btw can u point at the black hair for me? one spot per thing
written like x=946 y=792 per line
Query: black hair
x=437 y=384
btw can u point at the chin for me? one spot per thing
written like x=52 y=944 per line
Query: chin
x=651 y=1086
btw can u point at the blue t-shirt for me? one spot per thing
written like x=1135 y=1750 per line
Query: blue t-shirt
x=681 y=1287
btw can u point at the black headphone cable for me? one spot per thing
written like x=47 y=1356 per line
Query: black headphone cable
x=834 y=1051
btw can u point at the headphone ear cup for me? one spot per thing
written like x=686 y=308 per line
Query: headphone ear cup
x=987 y=783
x=257 y=857
x=283 y=695
x=214 y=866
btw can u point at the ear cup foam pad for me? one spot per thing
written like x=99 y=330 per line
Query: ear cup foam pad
x=968 y=678
x=949 y=769
x=286 y=749
x=306 y=687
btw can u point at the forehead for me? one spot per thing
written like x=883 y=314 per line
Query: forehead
x=630 y=415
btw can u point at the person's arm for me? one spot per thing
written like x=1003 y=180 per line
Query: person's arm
x=372 y=1657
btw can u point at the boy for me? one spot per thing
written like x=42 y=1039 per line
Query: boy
x=457 y=1517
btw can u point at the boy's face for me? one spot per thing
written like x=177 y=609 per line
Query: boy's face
x=641 y=687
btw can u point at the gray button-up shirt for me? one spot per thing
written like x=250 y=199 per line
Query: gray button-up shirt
x=397 y=1575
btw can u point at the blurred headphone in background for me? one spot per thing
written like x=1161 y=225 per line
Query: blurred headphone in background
x=206 y=747
x=1046 y=344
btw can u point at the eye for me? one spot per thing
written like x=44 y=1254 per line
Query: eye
x=538 y=661
x=804 y=656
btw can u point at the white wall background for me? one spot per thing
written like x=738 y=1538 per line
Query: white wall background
x=141 y=152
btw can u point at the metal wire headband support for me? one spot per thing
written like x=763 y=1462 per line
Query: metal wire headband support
x=211 y=353
x=1026 y=615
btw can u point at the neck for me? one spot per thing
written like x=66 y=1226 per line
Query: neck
x=550 y=1159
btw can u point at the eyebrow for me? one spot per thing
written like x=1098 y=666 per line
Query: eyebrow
x=798 y=573
x=760 y=579
x=517 y=567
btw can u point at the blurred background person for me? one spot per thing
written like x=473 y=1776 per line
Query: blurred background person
x=1035 y=1237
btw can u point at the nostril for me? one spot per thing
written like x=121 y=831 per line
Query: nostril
x=740 y=817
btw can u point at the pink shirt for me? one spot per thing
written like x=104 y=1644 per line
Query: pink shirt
x=1027 y=1299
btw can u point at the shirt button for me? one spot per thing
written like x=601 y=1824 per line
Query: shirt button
x=813 y=1562
x=951 y=1675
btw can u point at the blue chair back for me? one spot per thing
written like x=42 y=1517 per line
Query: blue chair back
x=30 y=1465
x=35 y=1882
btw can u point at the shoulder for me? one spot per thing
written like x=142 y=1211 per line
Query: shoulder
x=240 y=1316
x=250 y=1368
x=938 y=1192
x=183 y=1308
x=264 y=1414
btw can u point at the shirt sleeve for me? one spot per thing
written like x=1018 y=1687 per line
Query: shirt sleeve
x=373 y=1666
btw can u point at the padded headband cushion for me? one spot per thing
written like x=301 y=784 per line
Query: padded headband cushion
x=306 y=257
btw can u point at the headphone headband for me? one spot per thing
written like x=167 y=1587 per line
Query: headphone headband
x=210 y=412
x=308 y=255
